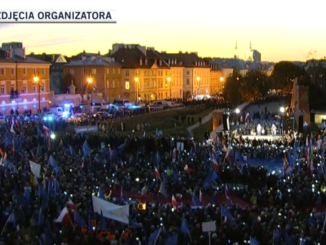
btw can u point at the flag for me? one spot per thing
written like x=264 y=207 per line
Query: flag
x=172 y=240
x=122 y=195
x=195 y=200
x=86 y=149
x=184 y=226
x=253 y=241
x=62 y=214
x=228 y=154
x=188 y=170
x=200 y=196
x=53 y=165
x=157 y=173
x=78 y=220
x=135 y=224
x=225 y=212
x=286 y=164
x=163 y=190
x=12 y=129
x=154 y=236
x=174 y=202
x=227 y=192
x=46 y=130
x=35 y=169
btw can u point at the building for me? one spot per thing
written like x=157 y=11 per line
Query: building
x=56 y=70
x=24 y=81
x=93 y=74
x=196 y=72
x=146 y=76
x=216 y=80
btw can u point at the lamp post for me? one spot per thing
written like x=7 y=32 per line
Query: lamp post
x=169 y=81
x=37 y=80
x=237 y=111
x=221 y=80
x=282 y=110
x=198 y=80
x=137 y=88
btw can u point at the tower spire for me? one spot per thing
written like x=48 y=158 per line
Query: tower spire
x=250 y=46
x=236 y=54
x=236 y=45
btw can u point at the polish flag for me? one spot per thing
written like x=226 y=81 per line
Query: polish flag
x=174 y=203
x=227 y=192
x=188 y=170
x=200 y=196
x=62 y=216
x=157 y=173
x=46 y=130
x=228 y=153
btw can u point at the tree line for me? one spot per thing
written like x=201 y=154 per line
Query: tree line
x=256 y=84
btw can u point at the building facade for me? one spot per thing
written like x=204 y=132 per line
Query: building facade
x=216 y=81
x=96 y=74
x=56 y=70
x=145 y=75
x=196 y=72
x=24 y=81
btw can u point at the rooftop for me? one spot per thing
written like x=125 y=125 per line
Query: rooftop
x=94 y=61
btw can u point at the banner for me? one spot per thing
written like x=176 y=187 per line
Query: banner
x=110 y=210
x=35 y=168
x=85 y=129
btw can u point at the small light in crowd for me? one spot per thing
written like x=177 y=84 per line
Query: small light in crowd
x=65 y=193
x=154 y=180
x=289 y=190
x=70 y=170
x=137 y=238
x=313 y=190
x=279 y=214
x=137 y=179
x=284 y=180
x=113 y=174
x=313 y=185
x=129 y=198
x=217 y=188
x=273 y=172
x=318 y=192
x=52 y=136
x=94 y=228
x=96 y=187
x=172 y=209
x=161 y=224
x=71 y=195
x=213 y=205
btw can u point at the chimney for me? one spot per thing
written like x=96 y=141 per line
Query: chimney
x=140 y=61
x=146 y=61
x=169 y=62
x=84 y=52
x=24 y=54
x=160 y=62
x=155 y=61
x=175 y=61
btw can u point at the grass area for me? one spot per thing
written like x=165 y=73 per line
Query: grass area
x=201 y=130
x=168 y=121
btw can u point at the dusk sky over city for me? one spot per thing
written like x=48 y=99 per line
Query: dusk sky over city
x=279 y=30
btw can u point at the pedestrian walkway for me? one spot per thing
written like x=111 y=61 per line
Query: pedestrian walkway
x=204 y=120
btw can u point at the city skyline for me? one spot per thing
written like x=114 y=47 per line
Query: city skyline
x=288 y=32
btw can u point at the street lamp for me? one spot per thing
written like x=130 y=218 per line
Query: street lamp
x=37 y=81
x=237 y=110
x=198 y=80
x=89 y=80
x=52 y=136
x=169 y=81
x=137 y=88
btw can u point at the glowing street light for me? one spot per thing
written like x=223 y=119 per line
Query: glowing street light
x=237 y=110
x=169 y=81
x=221 y=79
x=89 y=80
x=52 y=136
x=36 y=79
x=137 y=88
x=282 y=109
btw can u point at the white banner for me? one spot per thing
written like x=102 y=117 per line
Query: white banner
x=110 y=210
x=35 y=168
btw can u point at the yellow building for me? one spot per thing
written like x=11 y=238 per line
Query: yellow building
x=145 y=75
x=96 y=74
x=196 y=72
x=24 y=81
x=217 y=81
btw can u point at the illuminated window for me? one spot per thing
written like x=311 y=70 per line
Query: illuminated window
x=83 y=71
x=24 y=88
x=93 y=71
x=127 y=85
x=43 y=71
x=119 y=71
x=34 y=71
x=113 y=71
x=188 y=82
x=127 y=73
x=107 y=71
x=12 y=71
x=2 y=71
x=24 y=71
x=71 y=71
x=3 y=89
x=107 y=84
x=113 y=84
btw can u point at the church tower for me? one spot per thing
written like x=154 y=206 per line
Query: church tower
x=250 y=53
x=236 y=53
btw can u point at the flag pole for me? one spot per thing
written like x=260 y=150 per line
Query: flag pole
x=157 y=236
x=3 y=229
x=189 y=236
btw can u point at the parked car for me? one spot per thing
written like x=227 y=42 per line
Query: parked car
x=102 y=114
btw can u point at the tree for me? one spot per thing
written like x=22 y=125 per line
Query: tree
x=283 y=74
x=254 y=85
x=65 y=83
x=231 y=91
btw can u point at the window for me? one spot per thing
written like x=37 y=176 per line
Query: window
x=2 y=71
x=160 y=73
x=146 y=73
x=127 y=73
x=107 y=71
x=71 y=71
x=83 y=71
x=188 y=82
x=93 y=71
x=107 y=84
x=24 y=88
x=113 y=84
x=42 y=71
x=119 y=71
x=43 y=85
x=127 y=85
x=12 y=71
x=3 y=89
x=187 y=72
x=24 y=71
x=113 y=71
x=153 y=73
x=12 y=87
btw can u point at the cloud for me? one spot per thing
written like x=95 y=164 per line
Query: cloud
x=52 y=42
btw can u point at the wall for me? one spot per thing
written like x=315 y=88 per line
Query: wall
x=300 y=101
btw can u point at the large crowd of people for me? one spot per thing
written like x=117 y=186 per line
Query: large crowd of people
x=173 y=186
